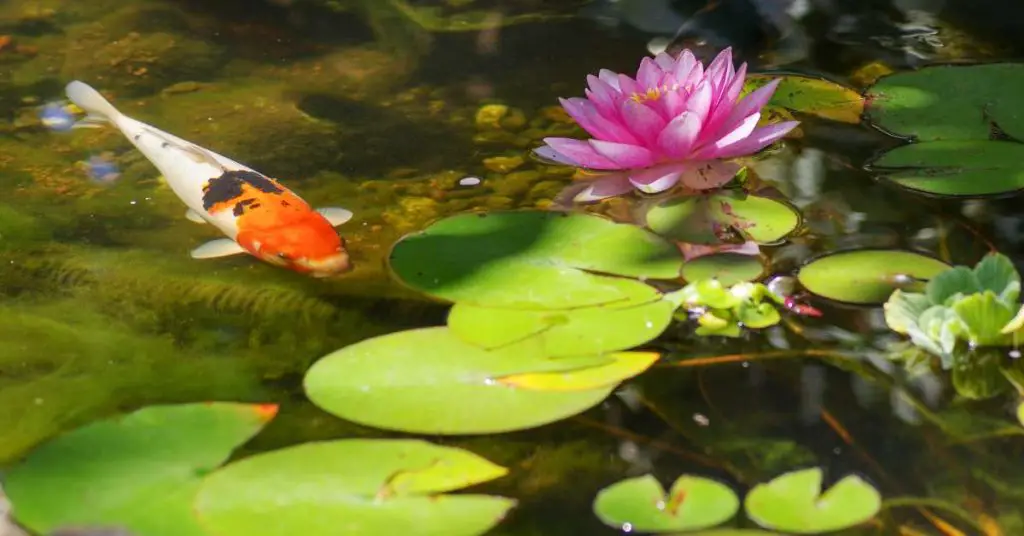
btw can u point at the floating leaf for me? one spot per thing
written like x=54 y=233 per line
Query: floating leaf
x=727 y=268
x=352 y=486
x=952 y=285
x=794 y=502
x=699 y=219
x=624 y=365
x=976 y=375
x=642 y=505
x=759 y=316
x=950 y=102
x=955 y=168
x=563 y=332
x=429 y=381
x=533 y=259
x=811 y=95
x=997 y=273
x=140 y=471
x=868 y=276
x=902 y=310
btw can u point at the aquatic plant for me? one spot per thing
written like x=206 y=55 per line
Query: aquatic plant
x=674 y=123
x=792 y=502
x=961 y=307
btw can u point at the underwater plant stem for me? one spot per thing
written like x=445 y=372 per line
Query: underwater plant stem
x=739 y=358
x=920 y=503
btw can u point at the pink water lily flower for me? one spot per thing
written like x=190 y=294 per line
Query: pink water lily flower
x=676 y=122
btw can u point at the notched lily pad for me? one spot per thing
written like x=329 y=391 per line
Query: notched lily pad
x=702 y=219
x=955 y=168
x=794 y=503
x=728 y=268
x=642 y=505
x=538 y=259
x=429 y=381
x=868 y=276
x=563 y=332
x=624 y=365
x=352 y=486
x=140 y=471
x=811 y=95
x=950 y=102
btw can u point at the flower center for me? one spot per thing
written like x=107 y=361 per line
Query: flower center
x=654 y=93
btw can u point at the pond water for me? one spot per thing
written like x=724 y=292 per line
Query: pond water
x=384 y=108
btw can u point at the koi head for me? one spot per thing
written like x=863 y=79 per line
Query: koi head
x=311 y=247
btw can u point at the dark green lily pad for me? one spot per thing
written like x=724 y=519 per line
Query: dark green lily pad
x=955 y=168
x=352 y=486
x=811 y=95
x=950 y=102
x=563 y=332
x=642 y=505
x=699 y=219
x=429 y=381
x=794 y=503
x=533 y=259
x=727 y=268
x=868 y=276
x=140 y=471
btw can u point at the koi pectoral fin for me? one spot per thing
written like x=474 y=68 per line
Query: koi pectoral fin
x=221 y=247
x=194 y=216
x=335 y=215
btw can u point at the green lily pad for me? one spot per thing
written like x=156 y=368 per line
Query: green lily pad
x=429 y=381
x=698 y=219
x=642 y=505
x=868 y=276
x=950 y=102
x=563 y=332
x=955 y=168
x=811 y=95
x=533 y=259
x=623 y=365
x=352 y=486
x=140 y=471
x=794 y=503
x=727 y=268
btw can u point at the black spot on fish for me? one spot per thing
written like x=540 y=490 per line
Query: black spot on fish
x=228 y=187
x=137 y=136
x=164 y=145
x=242 y=205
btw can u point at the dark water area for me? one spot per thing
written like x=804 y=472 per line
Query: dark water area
x=381 y=108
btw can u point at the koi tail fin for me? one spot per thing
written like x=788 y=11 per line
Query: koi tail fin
x=99 y=109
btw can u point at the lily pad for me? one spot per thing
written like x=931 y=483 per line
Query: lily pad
x=955 y=168
x=538 y=259
x=140 y=471
x=950 y=102
x=352 y=486
x=623 y=365
x=811 y=95
x=868 y=276
x=700 y=219
x=642 y=505
x=563 y=332
x=794 y=503
x=429 y=381
x=727 y=268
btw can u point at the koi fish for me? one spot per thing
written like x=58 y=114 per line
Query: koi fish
x=258 y=215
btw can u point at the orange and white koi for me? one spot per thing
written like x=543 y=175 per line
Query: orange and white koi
x=258 y=215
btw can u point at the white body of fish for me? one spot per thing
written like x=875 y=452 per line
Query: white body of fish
x=186 y=167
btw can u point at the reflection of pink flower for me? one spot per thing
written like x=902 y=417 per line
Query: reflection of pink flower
x=674 y=123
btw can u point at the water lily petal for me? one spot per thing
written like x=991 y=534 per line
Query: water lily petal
x=630 y=87
x=677 y=138
x=603 y=188
x=718 y=70
x=750 y=104
x=642 y=121
x=700 y=101
x=760 y=138
x=685 y=63
x=709 y=174
x=656 y=179
x=602 y=95
x=546 y=153
x=649 y=74
x=733 y=137
x=609 y=77
x=665 y=61
x=727 y=102
x=673 y=102
x=581 y=153
x=585 y=114
x=625 y=156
